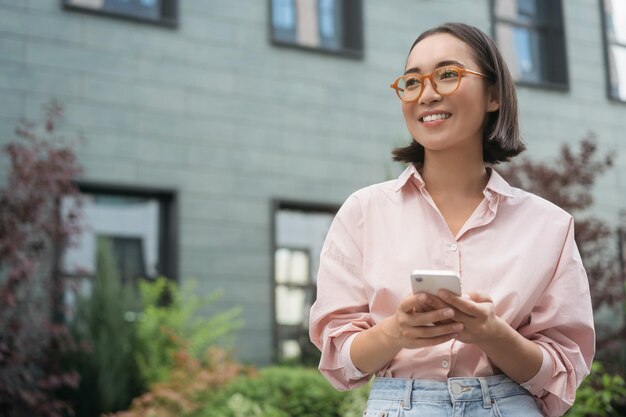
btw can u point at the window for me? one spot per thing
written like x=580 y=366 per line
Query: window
x=299 y=233
x=614 y=18
x=530 y=35
x=334 y=26
x=135 y=226
x=162 y=12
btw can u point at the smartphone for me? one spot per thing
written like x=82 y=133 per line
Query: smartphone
x=431 y=281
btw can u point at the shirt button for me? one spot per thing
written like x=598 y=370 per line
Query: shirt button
x=453 y=247
x=445 y=364
x=527 y=386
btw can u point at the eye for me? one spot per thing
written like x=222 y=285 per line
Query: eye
x=448 y=73
x=412 y=83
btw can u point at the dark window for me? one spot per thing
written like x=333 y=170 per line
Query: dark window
x=163 y=12
x=135 y=226
x=531 y=37
x=299 y=233
x=614 y=18
x=334 y=26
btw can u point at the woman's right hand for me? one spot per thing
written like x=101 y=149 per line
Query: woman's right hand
x=421 y=321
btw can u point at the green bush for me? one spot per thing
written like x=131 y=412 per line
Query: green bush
x=108 y=373
x=283 y=392
x=599 y=395
x=189 y=384
x=169 y=322
x=123 y=358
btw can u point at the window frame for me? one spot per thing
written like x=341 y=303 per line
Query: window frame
x=276 y=206
x=605 y=46
x=350 y=20
x=621 y=248
x=168 y=218
x=168 y=18
x=552 y=48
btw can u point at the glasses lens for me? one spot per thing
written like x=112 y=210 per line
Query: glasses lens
x=447 y=79
x=409 y=87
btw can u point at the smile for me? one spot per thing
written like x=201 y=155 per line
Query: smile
x=433 y=117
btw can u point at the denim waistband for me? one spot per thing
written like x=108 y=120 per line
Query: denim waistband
x=452 y=390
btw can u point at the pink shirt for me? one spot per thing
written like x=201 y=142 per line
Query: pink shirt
x=517 y=247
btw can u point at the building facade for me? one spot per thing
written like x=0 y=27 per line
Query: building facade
x=221 y=136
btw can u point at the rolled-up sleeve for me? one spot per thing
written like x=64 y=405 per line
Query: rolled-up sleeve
x=341 y=309
x=561 y=323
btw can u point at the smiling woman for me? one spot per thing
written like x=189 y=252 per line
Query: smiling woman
x=520 y=339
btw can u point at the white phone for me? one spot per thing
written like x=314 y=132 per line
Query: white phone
x=431 y=281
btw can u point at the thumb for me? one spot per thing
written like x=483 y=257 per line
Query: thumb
x=480 y=297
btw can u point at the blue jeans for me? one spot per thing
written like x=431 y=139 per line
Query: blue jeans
x=494 y=396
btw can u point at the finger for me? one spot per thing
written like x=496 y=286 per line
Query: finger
x=429 y=332
x=416 y=302
x=480 y=297
x=429 y=317
x=464 y=305
x=437 y=303
x=432 y=341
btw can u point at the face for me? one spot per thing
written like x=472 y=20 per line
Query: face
x=454 y=121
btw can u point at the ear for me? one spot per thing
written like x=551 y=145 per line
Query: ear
x=493 y=105
x=493 y=102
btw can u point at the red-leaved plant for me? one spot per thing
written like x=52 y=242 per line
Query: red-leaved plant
x=33 y=230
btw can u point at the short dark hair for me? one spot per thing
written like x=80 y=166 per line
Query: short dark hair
x=501 y=138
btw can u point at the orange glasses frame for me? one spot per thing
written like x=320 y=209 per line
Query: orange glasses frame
x=422 y=78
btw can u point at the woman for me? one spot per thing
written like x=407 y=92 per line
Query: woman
x=521 y=338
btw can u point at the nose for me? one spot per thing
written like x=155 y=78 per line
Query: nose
x=429 y=93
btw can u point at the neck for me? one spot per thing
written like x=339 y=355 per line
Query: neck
x=454 y=174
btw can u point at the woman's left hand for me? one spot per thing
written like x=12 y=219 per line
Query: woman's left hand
x=477 y=313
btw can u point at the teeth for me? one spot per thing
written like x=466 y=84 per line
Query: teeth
x=433 y=117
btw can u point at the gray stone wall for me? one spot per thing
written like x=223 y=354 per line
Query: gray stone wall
x=213 y=110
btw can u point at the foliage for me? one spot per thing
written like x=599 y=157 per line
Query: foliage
x=109 y=375
x=33 y=230
x=283 y=392
x=568 y=182
x=190 y=382
x=170 y=323
x=599 y=395
x=355 y=401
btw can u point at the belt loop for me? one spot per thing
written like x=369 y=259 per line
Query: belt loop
x=485 y=390
x=408 y=389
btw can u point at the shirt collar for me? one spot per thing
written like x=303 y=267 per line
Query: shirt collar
x=496 y=183
x=406 y=175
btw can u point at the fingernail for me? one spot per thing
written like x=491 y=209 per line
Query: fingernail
x=424 y=299
x=448 y=313
x=457 y=327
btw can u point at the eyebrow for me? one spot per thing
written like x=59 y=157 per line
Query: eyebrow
x=439 y=65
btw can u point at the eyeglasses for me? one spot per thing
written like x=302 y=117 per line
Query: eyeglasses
x=444 y=80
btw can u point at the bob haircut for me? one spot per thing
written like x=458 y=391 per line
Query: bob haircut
x=501 y=137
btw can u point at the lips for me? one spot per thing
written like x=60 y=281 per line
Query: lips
x=434 y=116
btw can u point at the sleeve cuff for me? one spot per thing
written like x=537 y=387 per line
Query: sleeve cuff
x=351 y=372
x=536 y=384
